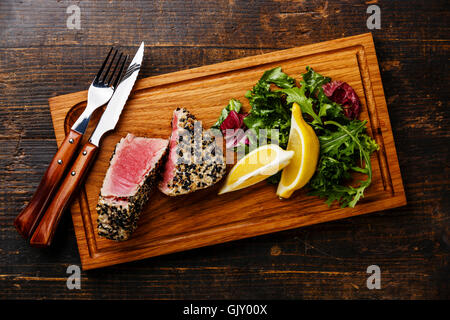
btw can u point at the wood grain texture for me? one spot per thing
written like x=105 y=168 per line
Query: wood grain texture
x=170 y=225
x=29 y=217
x=40 y=58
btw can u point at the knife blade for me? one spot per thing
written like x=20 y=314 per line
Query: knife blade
x=43 y=235
x=114 y=108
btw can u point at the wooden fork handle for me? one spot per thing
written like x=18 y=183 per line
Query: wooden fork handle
x=43 y=235
x=28 y=218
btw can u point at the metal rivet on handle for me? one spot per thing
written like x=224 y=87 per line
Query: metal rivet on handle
x=73 y=173
x=84 y=152
x=70 y=140
x=59 y=161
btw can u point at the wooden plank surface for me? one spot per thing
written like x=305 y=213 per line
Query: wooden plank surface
x=410 y=244
x=170 y=225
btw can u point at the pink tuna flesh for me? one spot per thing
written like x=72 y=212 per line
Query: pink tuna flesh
x=134 y=158
x=169 y=168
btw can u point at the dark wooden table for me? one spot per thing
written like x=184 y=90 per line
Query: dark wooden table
x=40 y=57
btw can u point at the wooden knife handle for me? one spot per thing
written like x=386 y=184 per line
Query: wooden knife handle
x=27 y=220
x=43 y=235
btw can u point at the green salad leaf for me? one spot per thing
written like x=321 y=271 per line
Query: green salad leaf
x=306 y=104
x=269 y=108
x=342 y=151
x=345 y=147
x=312 y=99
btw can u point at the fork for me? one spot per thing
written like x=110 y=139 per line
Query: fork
x=99 y=93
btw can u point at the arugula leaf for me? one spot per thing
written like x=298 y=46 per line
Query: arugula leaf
x=366 y=155
x=330 y=143
x=306 y=104
x=337 y=159
x=311 y=97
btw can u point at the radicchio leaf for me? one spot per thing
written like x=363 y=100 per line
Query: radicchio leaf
x=233 y=129
x=343 y=94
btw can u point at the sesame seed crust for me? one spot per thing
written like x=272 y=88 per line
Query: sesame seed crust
x=200 y=162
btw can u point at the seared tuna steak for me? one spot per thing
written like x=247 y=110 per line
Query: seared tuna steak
x=195 y=160
x=134 y=168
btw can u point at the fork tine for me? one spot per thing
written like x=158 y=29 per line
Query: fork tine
x=97 y=77
x=108 y=81
x=109 y=66
x=119 y=75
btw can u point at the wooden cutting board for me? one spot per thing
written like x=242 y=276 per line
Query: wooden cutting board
x=202 y=218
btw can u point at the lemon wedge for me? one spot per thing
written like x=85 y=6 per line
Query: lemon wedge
x=256 y=166
x=305 y=144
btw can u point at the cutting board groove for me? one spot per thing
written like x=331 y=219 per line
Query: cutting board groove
x=169 y=225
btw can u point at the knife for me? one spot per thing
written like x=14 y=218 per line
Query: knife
x=43 y=235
